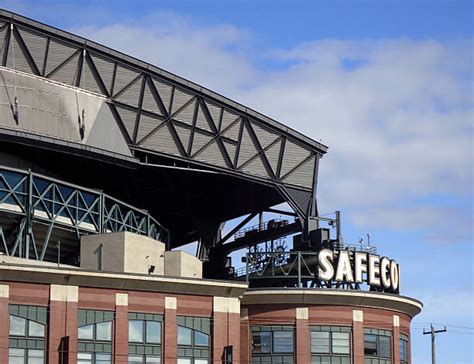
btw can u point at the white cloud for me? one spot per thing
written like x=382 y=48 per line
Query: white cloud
x=397 y=114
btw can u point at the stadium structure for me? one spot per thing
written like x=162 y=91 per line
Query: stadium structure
x=110 y=165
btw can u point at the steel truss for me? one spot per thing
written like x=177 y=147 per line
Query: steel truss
x=28 y=199
x=160 y=113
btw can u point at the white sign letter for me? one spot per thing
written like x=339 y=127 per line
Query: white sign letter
x=344 y=269
x=360 y=266
x=325 y=258
x=374 y=270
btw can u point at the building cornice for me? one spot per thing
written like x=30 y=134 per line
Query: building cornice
x=333 y=297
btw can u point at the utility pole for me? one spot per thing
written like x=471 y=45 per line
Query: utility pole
x=433 y=333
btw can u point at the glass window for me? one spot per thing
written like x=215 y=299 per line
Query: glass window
x=340 y=343
x=84 y=358
x=262 y=342
x=85 y=332
x=403 y=350
x=377 y=343
x=283 y=341
x=370 y=344
x=103 y=358
x=35 y=329
x=184 y=361
x=16 y=356
x=193 y=339
x=153 y=332
x=135 y=359
x=153 y=359
x=201 y=361
x=320 y=342
x=17 y=326
x=184 y=335
x=104 y=331
x=135 y=331
x=385 y=347
x=201 y=339
x=35 y=356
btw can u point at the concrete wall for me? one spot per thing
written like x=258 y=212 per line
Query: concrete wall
x=182 y=264
x=122 y=252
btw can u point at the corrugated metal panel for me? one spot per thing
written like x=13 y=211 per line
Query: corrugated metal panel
x=231 y=148
x=215 y=112
x=88 y=80
x=256 y=167
x=303 y=175
x=131 y=95
x=146 y=125
x=199 y=141
x=105 y=69
x=201 y=120
x=293 y=155
x=247 y=148
x=123 y=78
x=273 y=155
x=67 y=73
x=3 y=34
x=164 y=90
x=212 y=154
x=36 y=45
x=233 y=131
x=57 y=54
x=180 y=98
x=128 y=119
x=184 y=134
x=186 y=114
x=149 y=102
x=265 y=136
x=228 y=118
x=162 y=141
x=16 y=59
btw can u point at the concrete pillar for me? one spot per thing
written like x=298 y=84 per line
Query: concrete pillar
x=62 y=341
x=4 y=322
x=358 y=336
x=121 y=329
x=396 y=339
x=170 y=341
x=245 y=337
x=303 y=336
x=226 y=328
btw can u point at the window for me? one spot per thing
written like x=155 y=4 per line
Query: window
x=194 y=340
x=330 y=345
x=403 y=348
x=272 y=344
x=27 y=334
x=377 y=346
x=144 y=338
x=94 y=335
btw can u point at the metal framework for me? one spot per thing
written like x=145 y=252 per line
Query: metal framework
x=29 y=199
x=165 y=115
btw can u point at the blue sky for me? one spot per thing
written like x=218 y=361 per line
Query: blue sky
x=387 y=85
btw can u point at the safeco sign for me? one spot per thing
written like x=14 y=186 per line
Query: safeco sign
x=381 y=273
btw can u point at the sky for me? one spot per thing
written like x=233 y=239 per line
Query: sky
x=387 y=85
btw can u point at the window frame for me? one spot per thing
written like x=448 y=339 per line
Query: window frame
x=270 y=332
x=378 y=334
x=194 y=353
x=27 y=342
x=331 y=354
x=138 y=349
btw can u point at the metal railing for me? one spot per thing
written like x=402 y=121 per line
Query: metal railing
x=267 y=225
x=293 y=268
x=35 y=197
